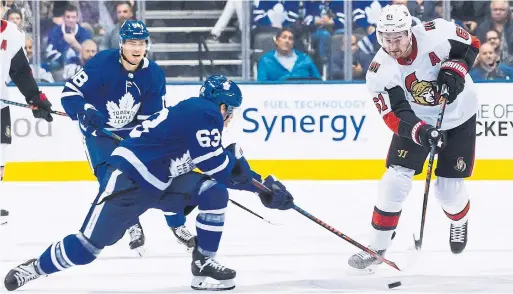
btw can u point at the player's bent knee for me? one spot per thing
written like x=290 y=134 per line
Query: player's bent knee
x=215 y=197
x=446 y=189
x=396 y=183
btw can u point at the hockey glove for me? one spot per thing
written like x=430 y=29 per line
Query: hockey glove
x=41 y=107
x=278 y=198
x=452 y=74
x=429 y=136
x=91 y=120
x=242 y=174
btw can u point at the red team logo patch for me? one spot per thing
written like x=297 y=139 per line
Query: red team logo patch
x=430 y=25
x=374 y=66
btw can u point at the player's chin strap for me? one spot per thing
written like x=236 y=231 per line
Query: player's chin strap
x=126 y=59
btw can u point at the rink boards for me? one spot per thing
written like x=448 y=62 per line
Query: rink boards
x=294 y=131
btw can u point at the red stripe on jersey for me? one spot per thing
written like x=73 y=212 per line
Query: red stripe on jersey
x=458 y=216
x=3 y=26
x=392 y=121
x=475 y=42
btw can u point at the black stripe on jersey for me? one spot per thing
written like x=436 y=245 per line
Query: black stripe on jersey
x=402 y=109
x=463 y=51
x=21 y=75
x=430 y=25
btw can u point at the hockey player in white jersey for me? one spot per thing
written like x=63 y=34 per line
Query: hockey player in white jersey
x=404 y=80
x=14 y=66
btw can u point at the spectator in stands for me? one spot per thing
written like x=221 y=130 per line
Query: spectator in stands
x=124 y=11
x=64 y=40
x=361 y=61
x=44 y=72
x=495 y=39
x=500 y=20
x=470 y=13
x=14 y=16
x=285 y=62
x=75 y=63
x=488 y=67
x=23 y=10
x=275 y=14
x=231 y=7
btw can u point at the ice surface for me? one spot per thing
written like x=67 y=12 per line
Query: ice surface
x=297 y=256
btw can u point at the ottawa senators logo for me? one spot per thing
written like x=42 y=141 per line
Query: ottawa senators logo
x=460 y=165
x=423 y=92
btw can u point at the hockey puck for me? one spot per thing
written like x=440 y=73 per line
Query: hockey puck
x=394 y=285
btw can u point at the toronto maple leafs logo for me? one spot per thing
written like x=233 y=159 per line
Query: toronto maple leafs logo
x=226 y=85
x=181 y=165
x=122 y=113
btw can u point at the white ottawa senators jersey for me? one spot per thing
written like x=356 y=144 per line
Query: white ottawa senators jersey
x=11 y=41
x=433 y=43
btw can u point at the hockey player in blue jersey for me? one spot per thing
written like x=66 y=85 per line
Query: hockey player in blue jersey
x=154 y=169
x=116 y=90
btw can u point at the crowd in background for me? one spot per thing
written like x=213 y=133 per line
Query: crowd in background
x=292 y=39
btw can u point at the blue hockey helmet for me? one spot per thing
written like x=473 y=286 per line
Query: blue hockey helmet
x=221 y=90
x=134 y=30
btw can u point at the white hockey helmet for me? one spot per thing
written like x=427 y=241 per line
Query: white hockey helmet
x=393 y=18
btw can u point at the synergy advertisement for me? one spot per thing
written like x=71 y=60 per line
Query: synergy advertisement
x=294 y=131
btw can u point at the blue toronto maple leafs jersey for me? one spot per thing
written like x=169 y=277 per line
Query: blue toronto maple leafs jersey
x=173 y=142
x=124 y=98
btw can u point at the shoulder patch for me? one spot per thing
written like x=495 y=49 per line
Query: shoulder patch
x=3 y=25
x=430 y=25
x=374 y=67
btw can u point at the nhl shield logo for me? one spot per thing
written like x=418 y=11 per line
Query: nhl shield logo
x=460 y=165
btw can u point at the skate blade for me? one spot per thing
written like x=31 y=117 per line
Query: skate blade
x=362 y=272
x=140 y=251
x=209 y=284
x=187 y=248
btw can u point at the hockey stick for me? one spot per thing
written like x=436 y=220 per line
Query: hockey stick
x=252 y=212
x=443 y=103
x=332 y=229
x=8 y=102
x=106 y=132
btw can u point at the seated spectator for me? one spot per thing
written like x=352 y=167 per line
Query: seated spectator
x=22 y=8
x=124 y=11
x=361 y=61
x=285 y=62
x=14 y=15
x=495 y=39
x=469 y=13
x=500 y=20
x=44 y=71
x=64 y=40
x=231 y=7
x=75 y=63
x=488 y=67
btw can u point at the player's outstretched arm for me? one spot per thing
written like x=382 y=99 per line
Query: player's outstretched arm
x=21 y=74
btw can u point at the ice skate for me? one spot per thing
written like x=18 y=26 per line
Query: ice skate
x=137 y=239
x=4 y=215
x=185 y=237
x=21 y=275
x=209 y=274
x=458 y=237
x=364 y=263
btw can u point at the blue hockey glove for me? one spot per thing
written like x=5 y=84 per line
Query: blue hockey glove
x=278 y=198
x=91 y=120
x=242 y=174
